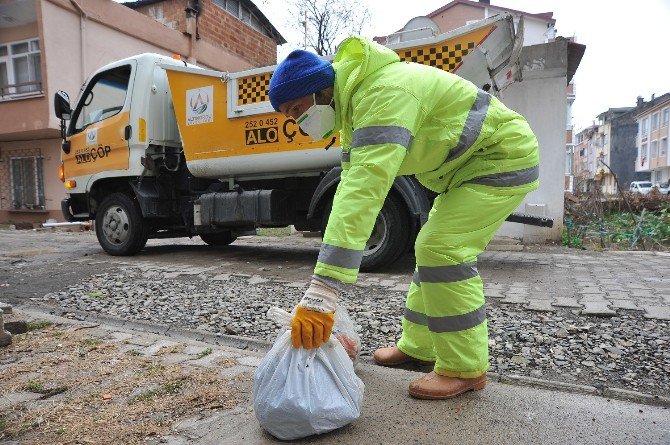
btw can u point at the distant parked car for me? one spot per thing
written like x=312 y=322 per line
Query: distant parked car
x=643 y=187
x=663 y=188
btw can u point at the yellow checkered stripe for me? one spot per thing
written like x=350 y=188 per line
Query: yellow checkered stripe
x=253 y=89
x=445 y=57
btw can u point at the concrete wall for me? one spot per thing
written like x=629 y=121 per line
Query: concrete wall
x=49 y=150
x=18 y=33
x=75 y=47
x=534 y=31
x=458 y=16
x=541 y=99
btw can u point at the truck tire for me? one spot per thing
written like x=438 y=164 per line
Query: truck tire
x=390 y=236
x=218 y=239
x=119 y=225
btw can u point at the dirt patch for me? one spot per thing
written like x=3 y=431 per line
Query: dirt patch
x=70 y=387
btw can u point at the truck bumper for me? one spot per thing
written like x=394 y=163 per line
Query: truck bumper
x=67 y=214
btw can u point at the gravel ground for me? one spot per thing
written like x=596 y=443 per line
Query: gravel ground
x=626 y=351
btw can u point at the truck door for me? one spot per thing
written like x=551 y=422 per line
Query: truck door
x=97 y=131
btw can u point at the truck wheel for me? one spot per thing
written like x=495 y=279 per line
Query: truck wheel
x=390 y=236
x=119 y=225
x=218 y=239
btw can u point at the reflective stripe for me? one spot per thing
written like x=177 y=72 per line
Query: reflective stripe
x=381 y=135
x=449 y=323
x=415 y=278
x=346 y=156
x=340 y=256
x=473 y=125
x=509 y=179
x=447 y=274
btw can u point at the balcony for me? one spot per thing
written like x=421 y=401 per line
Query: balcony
x=642 y=165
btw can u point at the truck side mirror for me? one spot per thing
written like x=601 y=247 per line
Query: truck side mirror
x=62 y=106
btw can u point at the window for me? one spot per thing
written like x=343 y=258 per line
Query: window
x=239 y=10
x=643 y=155
x=27 y=183
x=233 y=6
x=103 y=98
x=664 y=146
x=644 y=128
x=20 y=68
x=654 y=149
x=664 y=117
x=654 y=122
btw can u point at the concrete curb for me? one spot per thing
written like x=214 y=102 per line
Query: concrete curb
x=245 y=343
x=232 y=341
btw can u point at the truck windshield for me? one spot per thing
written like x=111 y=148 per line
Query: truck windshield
x=103 y=98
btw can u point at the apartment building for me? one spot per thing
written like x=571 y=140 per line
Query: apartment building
x=652 y=139
x=51 y=45
x=584 y=159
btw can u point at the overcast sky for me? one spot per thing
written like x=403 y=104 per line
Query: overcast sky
x=627 y=52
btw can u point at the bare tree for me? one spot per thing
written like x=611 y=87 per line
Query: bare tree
x=327 y=22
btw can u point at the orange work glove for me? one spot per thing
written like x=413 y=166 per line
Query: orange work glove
x=314 y=316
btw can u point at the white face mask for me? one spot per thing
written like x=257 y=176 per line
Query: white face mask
x=318 y=121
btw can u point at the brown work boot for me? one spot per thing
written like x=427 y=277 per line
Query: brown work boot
x=437 y=387
x=393 y=356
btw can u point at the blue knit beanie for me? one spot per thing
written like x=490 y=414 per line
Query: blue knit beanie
x=302 y=73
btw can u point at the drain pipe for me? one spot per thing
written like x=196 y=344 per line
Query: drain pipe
x=82 y=33
x=192 y=12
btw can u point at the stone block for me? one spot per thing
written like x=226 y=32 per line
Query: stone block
x=157 y=346
x=249 y=360
x=598 y=308
x=119 y=336
x=514 y=299
x=174 y=358
x=209 y=361
x=141 y=340
x=5 y=308
x=657 y=312
x=566 y=302
x=15 y=324
x=540 y=305
x=493 y=292
x=234 y=371
x=624 y=304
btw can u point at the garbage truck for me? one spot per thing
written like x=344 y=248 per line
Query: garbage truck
x=155 y=147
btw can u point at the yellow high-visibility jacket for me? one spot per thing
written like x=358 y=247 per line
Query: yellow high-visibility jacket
x=398 y=118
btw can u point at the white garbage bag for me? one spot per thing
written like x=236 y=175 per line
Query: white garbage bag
x=300 y=392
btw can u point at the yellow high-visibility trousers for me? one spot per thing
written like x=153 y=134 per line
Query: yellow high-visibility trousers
x=445 y=313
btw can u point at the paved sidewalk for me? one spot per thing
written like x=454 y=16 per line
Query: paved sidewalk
x=508 y=411
x=596 y=283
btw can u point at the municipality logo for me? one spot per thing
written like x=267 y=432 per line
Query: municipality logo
x=92 y=136
x=200 y=105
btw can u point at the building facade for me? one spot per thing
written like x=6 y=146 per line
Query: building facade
x=51 y=45
x=583 y=159
x=538 y=28
x=237 y=26
x=652 y=139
